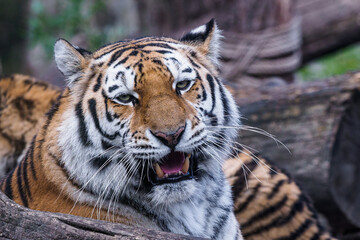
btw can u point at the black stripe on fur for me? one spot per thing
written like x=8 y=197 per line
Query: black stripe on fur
x=83 y=133
x=8 y=186
x=19 y=171
x=92 y=107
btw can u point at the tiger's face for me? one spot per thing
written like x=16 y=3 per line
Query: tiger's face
x=150 y=114
x=156 y=93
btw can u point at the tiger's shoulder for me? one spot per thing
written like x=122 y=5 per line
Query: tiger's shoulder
x=268 y=203
x=24 y=101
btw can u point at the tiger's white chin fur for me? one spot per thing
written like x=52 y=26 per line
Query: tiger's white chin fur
x=170 y=193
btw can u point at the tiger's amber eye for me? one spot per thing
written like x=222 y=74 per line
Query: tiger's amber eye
x=182 y=85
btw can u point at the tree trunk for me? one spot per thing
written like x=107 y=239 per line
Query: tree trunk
x=320 y=124
x=13 y=28
x=17 y=222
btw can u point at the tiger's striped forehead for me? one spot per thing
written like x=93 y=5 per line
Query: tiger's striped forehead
x=127 y=64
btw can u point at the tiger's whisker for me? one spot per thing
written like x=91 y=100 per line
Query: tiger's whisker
x=238 y=158
x=250 y=153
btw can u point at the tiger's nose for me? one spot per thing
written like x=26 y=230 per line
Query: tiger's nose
x=170 y=139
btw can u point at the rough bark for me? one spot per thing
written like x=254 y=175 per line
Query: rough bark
x=17 y=222
x=320 y=124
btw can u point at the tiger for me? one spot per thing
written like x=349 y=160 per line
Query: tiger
x=91 y=155
x=131 y=140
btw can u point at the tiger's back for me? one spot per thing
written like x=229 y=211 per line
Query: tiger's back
x=268 y=203
x=23 y=104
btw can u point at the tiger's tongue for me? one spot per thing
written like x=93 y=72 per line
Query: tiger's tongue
x=172 y=163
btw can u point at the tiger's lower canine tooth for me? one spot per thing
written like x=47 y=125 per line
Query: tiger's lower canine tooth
x=158 y=170
x=185 y=167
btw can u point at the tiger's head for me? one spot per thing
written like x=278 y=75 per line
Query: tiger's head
x=148 y=116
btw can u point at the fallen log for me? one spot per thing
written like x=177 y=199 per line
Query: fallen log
x=18 y=222
x=320 y=125
x=327 y=25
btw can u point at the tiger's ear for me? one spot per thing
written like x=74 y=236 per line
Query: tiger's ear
x=70 y=60
x=206 y=39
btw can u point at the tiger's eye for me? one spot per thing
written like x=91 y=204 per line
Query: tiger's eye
x=182 y=85
x=125 y=98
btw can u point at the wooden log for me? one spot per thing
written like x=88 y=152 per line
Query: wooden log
x=328 y=25
x=345 y=156
x=320 y=124
x=173 y=18
x=17 y=222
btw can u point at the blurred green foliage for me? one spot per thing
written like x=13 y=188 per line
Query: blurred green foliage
x=72 y=17
x=338 y=63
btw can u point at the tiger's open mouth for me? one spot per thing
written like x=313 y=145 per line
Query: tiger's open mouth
x=174 y=167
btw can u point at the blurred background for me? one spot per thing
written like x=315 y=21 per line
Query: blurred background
x=324 y=32
x=279 y=58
